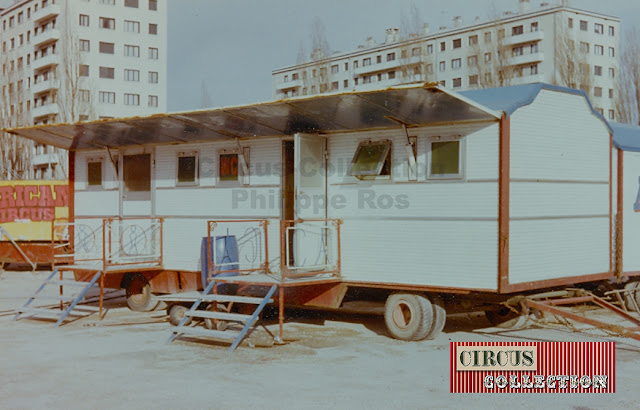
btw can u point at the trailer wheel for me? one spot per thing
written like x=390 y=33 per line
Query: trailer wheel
x=139 y=297
x=409 y=316
x=176 y=314
x=633 y=293
x=505 y=318
x=439 y=316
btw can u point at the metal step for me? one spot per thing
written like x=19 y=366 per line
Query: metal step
x=237 y=317
x=234 y=298
x=67 y=282
x=41 y=311
x=217 y=334
x=62 y=298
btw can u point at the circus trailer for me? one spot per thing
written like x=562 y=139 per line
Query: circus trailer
x=424 y=199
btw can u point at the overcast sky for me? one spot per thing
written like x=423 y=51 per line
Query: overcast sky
x=233 y=45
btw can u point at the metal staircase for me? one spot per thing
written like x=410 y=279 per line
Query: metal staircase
x=227 y=335
x=60 y=312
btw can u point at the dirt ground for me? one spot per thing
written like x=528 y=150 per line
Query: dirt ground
x=330 y=360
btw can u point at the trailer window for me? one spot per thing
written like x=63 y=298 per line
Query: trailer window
x=136 y=173
x=372 y=159
x=94 y=172
x=445 y=159
x=228 y=170
x=187 y=168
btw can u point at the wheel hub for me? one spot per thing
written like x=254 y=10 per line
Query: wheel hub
x=402 y=315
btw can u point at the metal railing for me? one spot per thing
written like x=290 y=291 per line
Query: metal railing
x=310 y=247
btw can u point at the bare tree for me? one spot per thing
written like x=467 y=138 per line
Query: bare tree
x=411 y=21
x=571 y=59
x=416 y=65
x=317 y=78
x=319 y=43
x=628 y=93
x=491 y=58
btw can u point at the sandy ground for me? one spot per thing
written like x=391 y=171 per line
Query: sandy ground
x=329 y=361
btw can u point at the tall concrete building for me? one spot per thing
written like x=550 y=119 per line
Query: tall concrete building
x=551 y=43
x=76 y=60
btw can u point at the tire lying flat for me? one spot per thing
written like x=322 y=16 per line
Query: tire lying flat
x=413 y=317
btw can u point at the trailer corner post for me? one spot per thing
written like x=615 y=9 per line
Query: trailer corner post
x=619 y=267
x=503 y=204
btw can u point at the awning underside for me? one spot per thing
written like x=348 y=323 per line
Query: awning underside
x=382 y=109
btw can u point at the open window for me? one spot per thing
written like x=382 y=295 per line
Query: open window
x=446 y=158
x=372 y=160
x=232 y=168
x=187 y=169
x=94 y=173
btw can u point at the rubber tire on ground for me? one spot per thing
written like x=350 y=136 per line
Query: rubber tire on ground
x=439 y=316
x=635 y=294
x=409 y=316
x=139 y=296
x=176 y=314
x=222 y=324
x=505 y=318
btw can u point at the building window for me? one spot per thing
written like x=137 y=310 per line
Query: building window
x=355 y=64
x=153 y=5
x=472 y=61
x=153 y=29
x=534 y=48
x=584 y=47
x=131 y=75
x=107 y=48
x=334 y=69
x=131 y=26
x=391 y=75
x=378 y=59
x=473 y=40
x=517 y=51
x=598 y=50
x=391 y=56
x=612 y=114
x=533 y=69
x=570 y=23
x=294 y=76
x=131 y=99
x=445 y=159
x=534 y=26
x=473 y=80
x=108 y=2
x=345 y=84
x=107 y=72
x=94 y=172
x=443 y=65
x=429 y=49
x=372 y=159
x=83 y=70
x=346 y=66
x=228 y=170
x=131 y=3
x=597 y=91
x=612 y=31
x=85 y=96
x=415 y=51
x=612 y=52
x=20 y=17
x=85 y=45
x=487 y=57
x=430 y=68
x=153 y=77
x=612 y=73
x=187 y=168
x=610 y=92
x=366 y=79
x=597 y=70
x=335 y=85
x=366 y=62
x=487 y=37
x=84 y=20
x=517 y=30
x=107 y=97
x=457 y=82
x=153 y=53
x=456 y=63
x=584 y=26
x=457 y=43
x=598 y=28
x=153 y=101
x=107 y=23
x=131 y=51
x=443 y=46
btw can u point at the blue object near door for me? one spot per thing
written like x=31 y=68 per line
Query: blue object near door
x=225 y=257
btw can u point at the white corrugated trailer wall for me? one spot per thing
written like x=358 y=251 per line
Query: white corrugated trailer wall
x=186 y=209
x=445 y=236
x=559 y=192
x=631 y=224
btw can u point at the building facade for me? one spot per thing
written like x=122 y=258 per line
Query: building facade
x=551 y=43
x=78 y=60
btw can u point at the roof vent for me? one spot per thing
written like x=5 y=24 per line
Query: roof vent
x=425 y=28
x=457 y=21
x=370 y=42
x=524 y=6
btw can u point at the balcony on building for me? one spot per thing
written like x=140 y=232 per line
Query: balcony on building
x=45 y=159
x=526 y=59
x=45 y=110
x=45 y=85
x=43 y=13
x=527 y=79
x=385 y=65
x=47 y=36
x=289 y=85
x=46 y=61
x=529 y=37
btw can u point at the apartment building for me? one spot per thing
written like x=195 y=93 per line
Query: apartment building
x=551 y=43
x=76 y=60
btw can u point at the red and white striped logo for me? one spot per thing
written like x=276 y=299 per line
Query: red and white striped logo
x=532 y=367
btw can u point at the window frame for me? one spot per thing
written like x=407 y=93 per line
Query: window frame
x=386 y=156
x=460 y=175
x=185 y=154
x=93 y=160
x=239 y=181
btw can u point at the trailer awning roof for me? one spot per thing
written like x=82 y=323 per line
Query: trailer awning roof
x=380 y=109
x=626 y=137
